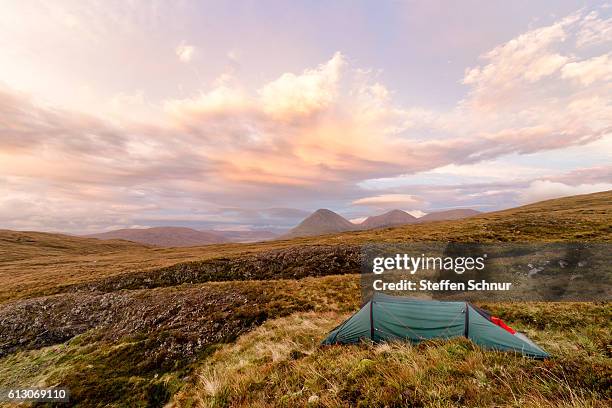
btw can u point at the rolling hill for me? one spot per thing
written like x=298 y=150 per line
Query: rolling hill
x=247 y=236
x=448 y=215
x=164 y=236
x=20 y=245
x=183 y=237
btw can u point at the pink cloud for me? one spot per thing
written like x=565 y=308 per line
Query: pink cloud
x=390 y=201
x=314 y=133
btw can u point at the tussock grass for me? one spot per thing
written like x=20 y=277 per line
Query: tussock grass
x=282 y=364
x=92 y=373
x=239 y=367
x=142 y=360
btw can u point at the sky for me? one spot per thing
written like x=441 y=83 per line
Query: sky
x=249 y=115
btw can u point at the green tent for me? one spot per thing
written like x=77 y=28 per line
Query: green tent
x=386 y=318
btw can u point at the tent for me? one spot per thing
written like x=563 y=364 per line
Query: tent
x=386 y=318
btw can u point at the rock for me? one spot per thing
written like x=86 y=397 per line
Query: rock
x=534 y=271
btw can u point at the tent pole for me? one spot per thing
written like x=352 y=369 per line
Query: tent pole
x=466 y=331
x=372 y=319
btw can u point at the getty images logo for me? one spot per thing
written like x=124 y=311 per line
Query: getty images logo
x=412 y=264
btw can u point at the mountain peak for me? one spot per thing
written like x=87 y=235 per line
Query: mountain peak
x=324 y=211
x=388 y=219
x=322 y=221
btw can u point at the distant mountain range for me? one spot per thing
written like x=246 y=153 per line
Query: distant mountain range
x=327 y=222
x=320 y=222
x=181 y=236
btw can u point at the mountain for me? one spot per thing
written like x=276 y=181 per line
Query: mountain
x=388 y=219
x=321 y=222
x=448 y=215
x=247 y=236
x=327 y=222
x=164 y=236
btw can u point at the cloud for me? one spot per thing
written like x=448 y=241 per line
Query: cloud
x=543 y=190
x=588 y=71
x=587 y=175
x=594 y=30
x=309 y=92
x=185 y=53
x=305 y=139
x=526 y=58
x=233 y=56
x=222 y=100
x=390 y=201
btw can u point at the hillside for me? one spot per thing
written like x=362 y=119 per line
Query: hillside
x=388 y=219
x=23 y=245
x=247 y=236
x=164 y=236
x=239 y=324
x=448 y=215
x=321 y=222
x=35 y=268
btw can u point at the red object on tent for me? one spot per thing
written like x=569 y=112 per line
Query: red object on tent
x=500 y=323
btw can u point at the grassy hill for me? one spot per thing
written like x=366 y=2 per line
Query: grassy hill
x=123 y=324
x=18 y=245
x=163 y=236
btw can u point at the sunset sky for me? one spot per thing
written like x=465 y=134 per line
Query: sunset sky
x=252 y=114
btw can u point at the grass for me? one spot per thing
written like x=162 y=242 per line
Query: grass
x=95 y=373
x=282 y=364
x=141 y=352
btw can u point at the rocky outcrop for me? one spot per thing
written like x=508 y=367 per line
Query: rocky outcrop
x=286 y=263
x=183 y=320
